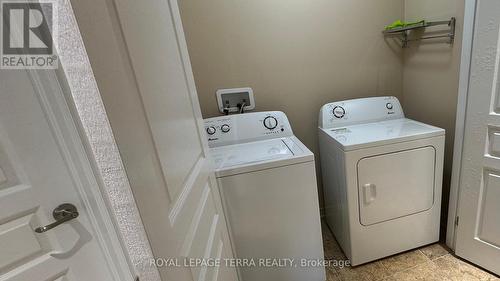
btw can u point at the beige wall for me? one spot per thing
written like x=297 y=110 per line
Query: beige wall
x=297 y=55
x=430 y=77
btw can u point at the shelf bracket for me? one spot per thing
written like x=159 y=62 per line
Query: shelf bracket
x=404 y=39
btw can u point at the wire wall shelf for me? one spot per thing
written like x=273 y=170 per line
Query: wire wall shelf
x=403 y=32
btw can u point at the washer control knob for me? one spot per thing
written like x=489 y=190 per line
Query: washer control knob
x=225 y=128
x=338 y=111
x=270 y=122
x=389 y=105
x=211 y=130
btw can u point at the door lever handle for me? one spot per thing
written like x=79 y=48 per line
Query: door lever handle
x=63 y=213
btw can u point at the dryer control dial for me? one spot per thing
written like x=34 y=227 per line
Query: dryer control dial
x=338 y=111
x=270 y=122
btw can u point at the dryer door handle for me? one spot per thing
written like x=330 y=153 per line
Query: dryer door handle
x=369 y=192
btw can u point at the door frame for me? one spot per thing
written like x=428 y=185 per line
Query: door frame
x=65 y=123
x=463 y=91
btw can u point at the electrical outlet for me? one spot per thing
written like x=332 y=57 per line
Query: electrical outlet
x=232 y=100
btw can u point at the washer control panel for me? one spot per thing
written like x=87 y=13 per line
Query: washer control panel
x=240 y=128
x=365 y=110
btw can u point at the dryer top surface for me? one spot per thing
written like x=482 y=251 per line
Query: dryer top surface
x=381 y=133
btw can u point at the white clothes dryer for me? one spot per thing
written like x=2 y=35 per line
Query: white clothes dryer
x=382 y=177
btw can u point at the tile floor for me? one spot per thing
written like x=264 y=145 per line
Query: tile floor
x=433 y=262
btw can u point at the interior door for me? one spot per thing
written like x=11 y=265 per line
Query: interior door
x=39 y=171
x=145 y=78
x=478 y=230
x=155 y=41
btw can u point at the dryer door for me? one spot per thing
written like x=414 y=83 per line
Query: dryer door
x=395 y=185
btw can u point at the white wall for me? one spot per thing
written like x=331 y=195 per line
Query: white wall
x=103 y=151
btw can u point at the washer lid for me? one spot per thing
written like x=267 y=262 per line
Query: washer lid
x=265 y=154
x=248 y=153
x=381 y=133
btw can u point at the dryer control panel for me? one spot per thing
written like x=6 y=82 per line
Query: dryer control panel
x=241 y=128
x=357 y=111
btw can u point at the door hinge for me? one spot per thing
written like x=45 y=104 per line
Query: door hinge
x=456 y=220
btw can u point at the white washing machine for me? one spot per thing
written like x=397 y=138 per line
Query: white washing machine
x=382 y=177
x=268 y=186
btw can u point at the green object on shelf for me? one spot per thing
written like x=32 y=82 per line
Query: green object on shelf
x=400 y=24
